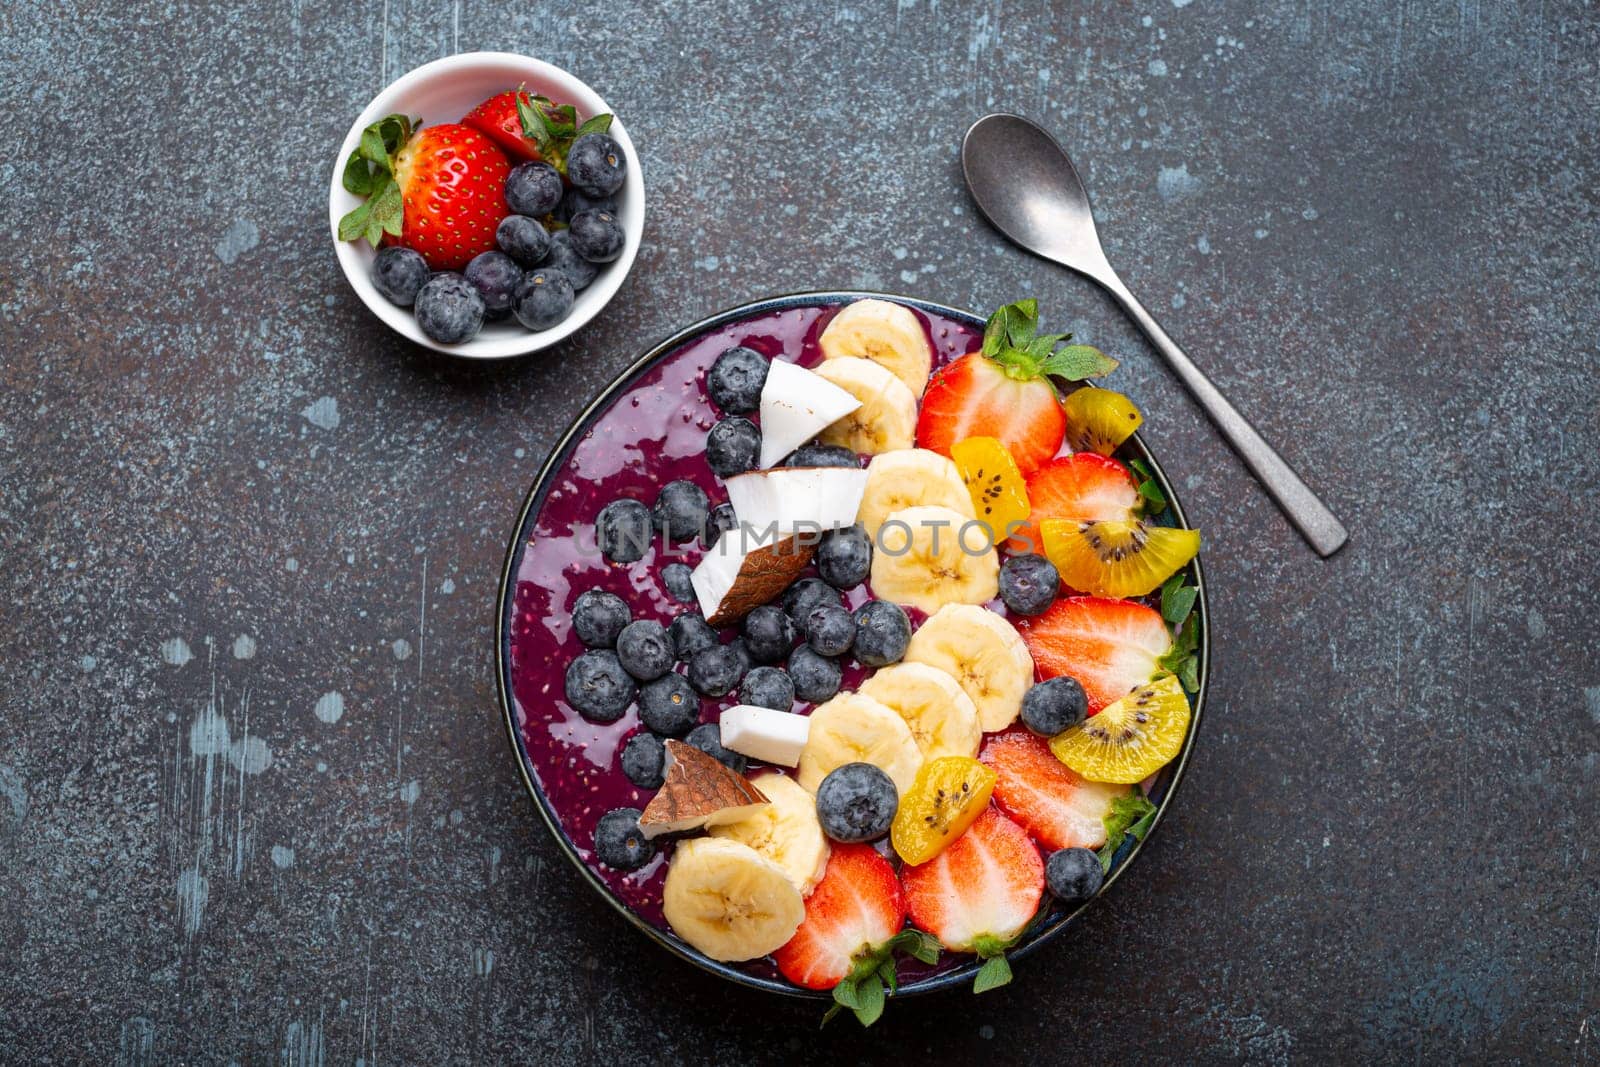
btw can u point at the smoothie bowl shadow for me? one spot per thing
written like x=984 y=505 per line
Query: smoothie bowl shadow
x=528 y=704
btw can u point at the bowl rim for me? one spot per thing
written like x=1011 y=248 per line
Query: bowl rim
x=505 y=599
x=355 y=257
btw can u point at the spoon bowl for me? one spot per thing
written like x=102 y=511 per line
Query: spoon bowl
x=1026 y=186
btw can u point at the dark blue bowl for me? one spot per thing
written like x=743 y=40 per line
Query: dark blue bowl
x=1059 y=917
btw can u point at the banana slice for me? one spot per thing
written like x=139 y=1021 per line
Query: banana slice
x=852 y=728
x=728 y=900
x=786 y=831
x=942 y=718
x=908 y=478
x=887 y=417
x=885 y=333
x=931 y=556
x=983 y=653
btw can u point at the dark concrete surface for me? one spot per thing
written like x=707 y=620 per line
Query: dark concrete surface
x=227 y=492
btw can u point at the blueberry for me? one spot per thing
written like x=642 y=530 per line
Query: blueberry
x=767 y=687
x=579 y=271
x=622 y=530
x=734 y=381
x=1028 y=584
x=816 y=678
x=669 y=705
x=619 y=843
x=533 y=189
x=830 y=629
x=681 y=511
x=856 y=802
x=399 y=274
x=806 y=595
x=644 y=650
x=598 y=686
x=715 y=671
x=817 y=455
x=576 y=201
x=449 y=309
x=720 y=521
x=599 y=617
x=542 y=298
x=707 y=737
x=882 y=633
x=523 y=239
x=733 y=446
x=844 y=557
x=1073 y=874
x=596 y=236
x=768 y=633
x=644 y=760
x=690 y=633
x=596 y=165
x=675 y=576
x=741 y=654
x=495 y=275
x=1054 y=705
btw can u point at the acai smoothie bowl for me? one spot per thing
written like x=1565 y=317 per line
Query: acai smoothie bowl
x=851 y=645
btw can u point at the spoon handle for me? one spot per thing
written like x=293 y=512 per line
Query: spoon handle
x=1310 y=515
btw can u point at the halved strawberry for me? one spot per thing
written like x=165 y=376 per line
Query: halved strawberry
x=1082 y=487
x=1060 y=809
x=439 y=190
x=1005 y=391
x=975 y=397
x=853 y=912
x=497 y=119
x=980 y=893
x=1109 y=646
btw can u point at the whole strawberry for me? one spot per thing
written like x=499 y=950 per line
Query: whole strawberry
x=439 y=190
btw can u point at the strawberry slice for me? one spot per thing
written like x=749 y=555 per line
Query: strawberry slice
x=532 y=127
x=1006 y=390
x=980 y=893
x=1082 y=487
x=1052 y=803
x=439 y=190
x=853 y=912
x=975 y=397
x=1109 y=646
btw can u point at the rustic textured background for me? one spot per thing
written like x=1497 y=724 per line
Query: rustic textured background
x=255 y=800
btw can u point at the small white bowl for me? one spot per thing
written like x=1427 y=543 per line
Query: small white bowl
x=443 y=91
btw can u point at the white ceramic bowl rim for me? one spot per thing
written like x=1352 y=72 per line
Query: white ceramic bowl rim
x=473 y=76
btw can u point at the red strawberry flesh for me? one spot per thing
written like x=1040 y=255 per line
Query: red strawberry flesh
x=975 y=397
x=1052 y=803
x=985 y=884
x=1082 y=487
x=857 y=905
x=496 y=118
x=1109 y=646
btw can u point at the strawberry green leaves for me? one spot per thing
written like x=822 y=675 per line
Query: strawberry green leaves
x=1177 y=608
x=865 y=988
x=553 y=127
x=1131 y=815
x=369 y=172
x=996 y=969
x=1012 y=339
x=1152 y=501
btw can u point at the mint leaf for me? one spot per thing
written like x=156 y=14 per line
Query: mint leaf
x=1155 y=501
x=994 y=973
x=1181 y=659
x=1177 y=600
x=1077 y=362
x=1131 y=813
x=1189 y=674
x=594 y=124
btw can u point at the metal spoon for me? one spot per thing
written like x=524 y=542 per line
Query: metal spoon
x=1026 y=186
